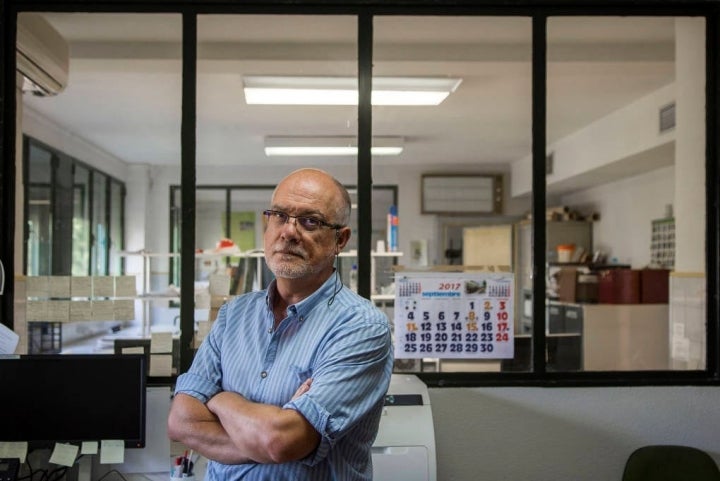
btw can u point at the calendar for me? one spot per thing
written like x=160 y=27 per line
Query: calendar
x=454 y=315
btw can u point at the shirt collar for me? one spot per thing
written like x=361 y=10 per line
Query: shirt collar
x=302 y=308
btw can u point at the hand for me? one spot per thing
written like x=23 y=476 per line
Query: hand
x=304 y=387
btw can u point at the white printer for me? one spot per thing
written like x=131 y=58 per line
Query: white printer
x=405 y=446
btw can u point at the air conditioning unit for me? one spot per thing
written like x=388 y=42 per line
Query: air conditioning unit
x=42 y=55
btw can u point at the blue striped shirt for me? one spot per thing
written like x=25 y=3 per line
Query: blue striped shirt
x=345 y=348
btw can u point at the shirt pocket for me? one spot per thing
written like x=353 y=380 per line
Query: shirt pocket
x=302 y=373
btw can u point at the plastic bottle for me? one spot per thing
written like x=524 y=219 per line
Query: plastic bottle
x=354 y=278
x=392 y=229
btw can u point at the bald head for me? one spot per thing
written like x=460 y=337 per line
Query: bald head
x=334 y=193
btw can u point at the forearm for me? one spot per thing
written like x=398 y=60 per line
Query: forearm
x=191 y=423
x=262 y=432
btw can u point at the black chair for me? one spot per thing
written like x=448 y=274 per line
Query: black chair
x=670 y=463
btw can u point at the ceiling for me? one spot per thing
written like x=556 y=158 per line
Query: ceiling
x=124 y=90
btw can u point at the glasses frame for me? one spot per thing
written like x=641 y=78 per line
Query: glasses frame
x=299 y=220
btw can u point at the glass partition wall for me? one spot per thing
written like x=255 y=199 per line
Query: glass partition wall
x=451 y=198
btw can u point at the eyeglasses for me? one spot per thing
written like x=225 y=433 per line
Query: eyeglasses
x=309 y=224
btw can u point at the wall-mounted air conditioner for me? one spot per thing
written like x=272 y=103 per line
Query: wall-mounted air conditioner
x=42 y=55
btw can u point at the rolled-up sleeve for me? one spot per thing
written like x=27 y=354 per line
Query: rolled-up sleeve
x=204 y=378
x=352 y=377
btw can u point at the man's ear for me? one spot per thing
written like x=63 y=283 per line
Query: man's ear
x=342 y=236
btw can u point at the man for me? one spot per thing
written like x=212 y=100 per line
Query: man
x=290 y=382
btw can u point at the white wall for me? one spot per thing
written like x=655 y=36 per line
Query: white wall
x=565 y=434
x=620 y=135
x=627 y=205
x=44 y=130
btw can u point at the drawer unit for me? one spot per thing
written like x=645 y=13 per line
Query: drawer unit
x=555 y=318
x=573 y=319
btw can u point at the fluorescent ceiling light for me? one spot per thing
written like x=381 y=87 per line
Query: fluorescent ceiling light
x=302 y=146
x=269 y=90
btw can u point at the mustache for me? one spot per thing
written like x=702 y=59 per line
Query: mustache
x=289 y=249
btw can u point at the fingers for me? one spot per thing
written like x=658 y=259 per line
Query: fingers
x=304 y=387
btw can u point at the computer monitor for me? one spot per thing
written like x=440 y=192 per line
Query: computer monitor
x=73 y=398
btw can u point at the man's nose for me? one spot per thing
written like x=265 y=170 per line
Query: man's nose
x=291 y=225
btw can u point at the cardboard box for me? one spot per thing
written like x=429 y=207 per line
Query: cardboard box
x=567 y=284
x=587 y=288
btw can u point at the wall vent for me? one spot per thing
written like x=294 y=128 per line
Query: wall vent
x=667 y=117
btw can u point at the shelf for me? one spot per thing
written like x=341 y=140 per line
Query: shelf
x=382 y=297
x=386 y=254
x=157 y=297
x=353 y=253
x=148 y=254
x=256 y=253
x=198 y=255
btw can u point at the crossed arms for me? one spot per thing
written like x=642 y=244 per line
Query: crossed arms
x=233 y=430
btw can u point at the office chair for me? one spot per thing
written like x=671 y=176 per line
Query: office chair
x=670 y=463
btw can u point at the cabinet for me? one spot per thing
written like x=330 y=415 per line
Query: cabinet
x=564 y=336
x=621 y=337
x=600 y=337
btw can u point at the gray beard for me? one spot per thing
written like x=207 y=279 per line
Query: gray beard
x=289 y=270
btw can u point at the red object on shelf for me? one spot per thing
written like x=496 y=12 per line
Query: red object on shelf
x=225 y=243
x=619 y=286
x=654 y=286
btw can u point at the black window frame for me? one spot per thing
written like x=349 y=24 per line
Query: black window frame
x=63 y=249
x=539 y=12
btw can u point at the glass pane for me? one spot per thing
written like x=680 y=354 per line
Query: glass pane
x=236 y=132
x=81 y=222
x=211 y=230
x=100 y=225
x=117 y=199
x=175 y=233
x=248 y=272
x=382 y=278
x=109 y=100
x=456 y=232
x=625 y=174
x=39 y=221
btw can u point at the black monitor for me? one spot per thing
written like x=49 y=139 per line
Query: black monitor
x=73 y=398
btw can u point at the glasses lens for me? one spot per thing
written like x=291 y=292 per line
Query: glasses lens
x=275 y=217
x=308 y=223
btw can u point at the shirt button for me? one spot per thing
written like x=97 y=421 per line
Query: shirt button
x=302 y=318
x=263 y=374
x=270 y=331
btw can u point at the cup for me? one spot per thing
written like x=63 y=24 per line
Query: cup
x=380 y=247
x=565 y=252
